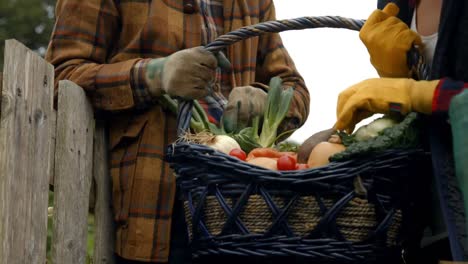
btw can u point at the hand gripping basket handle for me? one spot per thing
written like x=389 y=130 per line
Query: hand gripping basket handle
x=416 y=62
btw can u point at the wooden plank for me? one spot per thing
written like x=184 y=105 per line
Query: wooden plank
x=53 y=119
x=73 y=174
x=25 y=134
x=104 y=221
x=1 y=84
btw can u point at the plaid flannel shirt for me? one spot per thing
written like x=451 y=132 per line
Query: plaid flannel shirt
x=445 y=91
x=103 y=46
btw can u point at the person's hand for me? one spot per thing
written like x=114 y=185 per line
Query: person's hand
x=244 y=103
x=388 y=40
x=382 y=95
x=188 y=73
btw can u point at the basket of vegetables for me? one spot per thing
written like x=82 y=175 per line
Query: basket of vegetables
x=337 y=198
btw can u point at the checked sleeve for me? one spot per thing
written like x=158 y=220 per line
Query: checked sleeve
x=84 y=36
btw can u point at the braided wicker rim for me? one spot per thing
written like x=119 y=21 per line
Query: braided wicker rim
x=283 y=25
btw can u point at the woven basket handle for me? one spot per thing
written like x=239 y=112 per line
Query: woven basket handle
x=416 y=62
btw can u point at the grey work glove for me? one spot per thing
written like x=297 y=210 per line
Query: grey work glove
x=244 y=103
x=188 y=73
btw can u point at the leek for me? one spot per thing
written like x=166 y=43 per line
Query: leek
x=277 y=107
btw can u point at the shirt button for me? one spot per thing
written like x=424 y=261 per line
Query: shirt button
x=189 y=8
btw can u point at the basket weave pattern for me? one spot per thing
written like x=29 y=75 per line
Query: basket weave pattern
x=356 y=221
x=235 y=208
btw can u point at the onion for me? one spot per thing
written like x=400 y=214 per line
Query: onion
x=222 y=143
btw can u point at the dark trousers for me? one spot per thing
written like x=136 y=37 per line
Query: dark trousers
x=431 y=254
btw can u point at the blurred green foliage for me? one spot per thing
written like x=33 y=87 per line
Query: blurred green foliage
x=28 y=21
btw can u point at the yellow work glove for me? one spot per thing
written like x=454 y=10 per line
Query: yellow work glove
x=244 y=103
x=188 y=73
x=388 y=40
x=383 y=95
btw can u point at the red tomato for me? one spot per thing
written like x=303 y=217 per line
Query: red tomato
x=286 y=162
x=238 y=153
x=302 y=166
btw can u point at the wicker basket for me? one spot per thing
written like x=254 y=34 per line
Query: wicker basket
x=355 y=211
x=234 y=208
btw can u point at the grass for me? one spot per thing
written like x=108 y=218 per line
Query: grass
x=90 y=246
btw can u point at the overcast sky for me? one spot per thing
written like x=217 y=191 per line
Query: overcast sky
x=330 y=60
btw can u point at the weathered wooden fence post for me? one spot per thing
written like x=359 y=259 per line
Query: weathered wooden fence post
x=38 y=146
x=104 y=223
x=25 y=160
x=1 y=84
x=73 y=174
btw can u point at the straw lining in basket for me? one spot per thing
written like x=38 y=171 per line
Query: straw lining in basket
x=355 y=222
